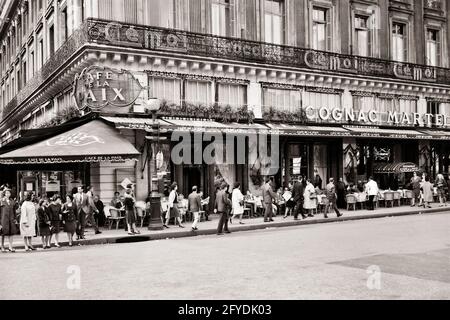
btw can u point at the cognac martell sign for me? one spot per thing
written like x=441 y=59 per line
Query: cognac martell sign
x=97 y=87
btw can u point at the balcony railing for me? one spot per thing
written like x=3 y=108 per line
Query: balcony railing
x=211 y=46
x=433 y=4
x=124 y=35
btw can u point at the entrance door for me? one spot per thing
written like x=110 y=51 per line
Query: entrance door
x=193 y=176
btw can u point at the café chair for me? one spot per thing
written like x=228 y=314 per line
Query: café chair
x=408 y=196
x=397 y=198
x=351 y=201
x=389 y=198
x=112 y=214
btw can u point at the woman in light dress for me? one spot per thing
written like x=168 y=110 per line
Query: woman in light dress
x=237 y=200
x=310 y=198
x=28 y=221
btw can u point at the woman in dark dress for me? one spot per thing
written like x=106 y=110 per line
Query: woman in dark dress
x=44 y=223
x=70 y=218
x=130 y=213
x=55 y=215
x=8 y=220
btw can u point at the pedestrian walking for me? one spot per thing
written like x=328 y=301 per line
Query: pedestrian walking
x=221 y=206
x=44 y=223
x=99 y=217
x=297 y=196
x=28 y=221
x=70 y=218
x=440 y=186
x=91 y=209
x=372 y=191
x=310 y=198
x=289 y=201
x=55 y=215
x=194 y=206
x=8 y=219
x=415 y=185
x=332 y=198
x=237 y=202
x=130 y=211
x=268 y=197
x=427 y=189
x=173 y=206
x=340 y=190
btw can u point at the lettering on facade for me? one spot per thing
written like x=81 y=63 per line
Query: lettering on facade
x=346 y=115
x=96 y=87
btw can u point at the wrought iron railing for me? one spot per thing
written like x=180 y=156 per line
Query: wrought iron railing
x=211 y=46
x=433 y=4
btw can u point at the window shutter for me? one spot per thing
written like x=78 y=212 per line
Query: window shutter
x=329 y=31
x=438 y=49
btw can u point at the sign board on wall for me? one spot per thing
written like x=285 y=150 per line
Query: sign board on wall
x=98 y=87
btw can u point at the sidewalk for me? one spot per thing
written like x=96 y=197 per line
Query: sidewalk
x=209 y=227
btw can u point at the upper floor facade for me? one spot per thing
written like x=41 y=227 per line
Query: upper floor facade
x=391 y=46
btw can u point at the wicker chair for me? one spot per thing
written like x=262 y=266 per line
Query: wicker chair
x=397 y=198
x=408 y=196
x=389 y=198
x=351 y=201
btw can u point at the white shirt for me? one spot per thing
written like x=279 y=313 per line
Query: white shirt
x=372 y=188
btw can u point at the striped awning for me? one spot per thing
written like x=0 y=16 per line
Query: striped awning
x=396 y=167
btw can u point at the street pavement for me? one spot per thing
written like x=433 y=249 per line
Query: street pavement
x=209 y=227
x=388 y=258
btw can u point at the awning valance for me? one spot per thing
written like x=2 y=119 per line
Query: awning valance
x=94 y=141
x=308 y=131
x=133 y=123
x=396 y=167
x=212 y=126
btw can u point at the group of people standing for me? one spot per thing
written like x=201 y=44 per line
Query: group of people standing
x=423 y=190
x=46 y=217
x=303 y=199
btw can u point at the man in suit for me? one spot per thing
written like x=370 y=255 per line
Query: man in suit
x=222 y=205
x=194 y=206
x=268 y=197
x=332 y=198
x=86 y=207
x=297 y=196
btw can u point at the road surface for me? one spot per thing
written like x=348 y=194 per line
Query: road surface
x=390 y=258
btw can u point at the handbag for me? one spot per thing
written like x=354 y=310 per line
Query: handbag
x=313 y=196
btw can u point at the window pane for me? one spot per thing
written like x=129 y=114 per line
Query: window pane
x=277 y=29
x=268 y=28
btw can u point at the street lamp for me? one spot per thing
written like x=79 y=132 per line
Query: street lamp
x=153 y=105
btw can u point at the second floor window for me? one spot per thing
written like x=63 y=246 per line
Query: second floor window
x=198 y=92
x=281 y=99
x=399 y=42
x=221 y=18
x=274 y=21
x=363 y=36
x=433 y=48
x=321 y=29
x=234 y=95
x=166 y=89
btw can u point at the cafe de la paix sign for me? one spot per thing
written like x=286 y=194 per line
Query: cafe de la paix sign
x=97 y=87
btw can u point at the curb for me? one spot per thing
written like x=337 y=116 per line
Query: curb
x=185 y=234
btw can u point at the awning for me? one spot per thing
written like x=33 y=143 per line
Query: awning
x=133 y=123
x=436 y=134
x=94 y=141
x=396 y=167
x=309 y=131
x=376 y=132
x=212 y=126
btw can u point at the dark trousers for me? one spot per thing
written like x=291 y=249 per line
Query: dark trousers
x=268 y=211
x=81 y=223
x=370 y=204
x=298 y=208
x=333 y=205
x=84 y=218
x=223 y=222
